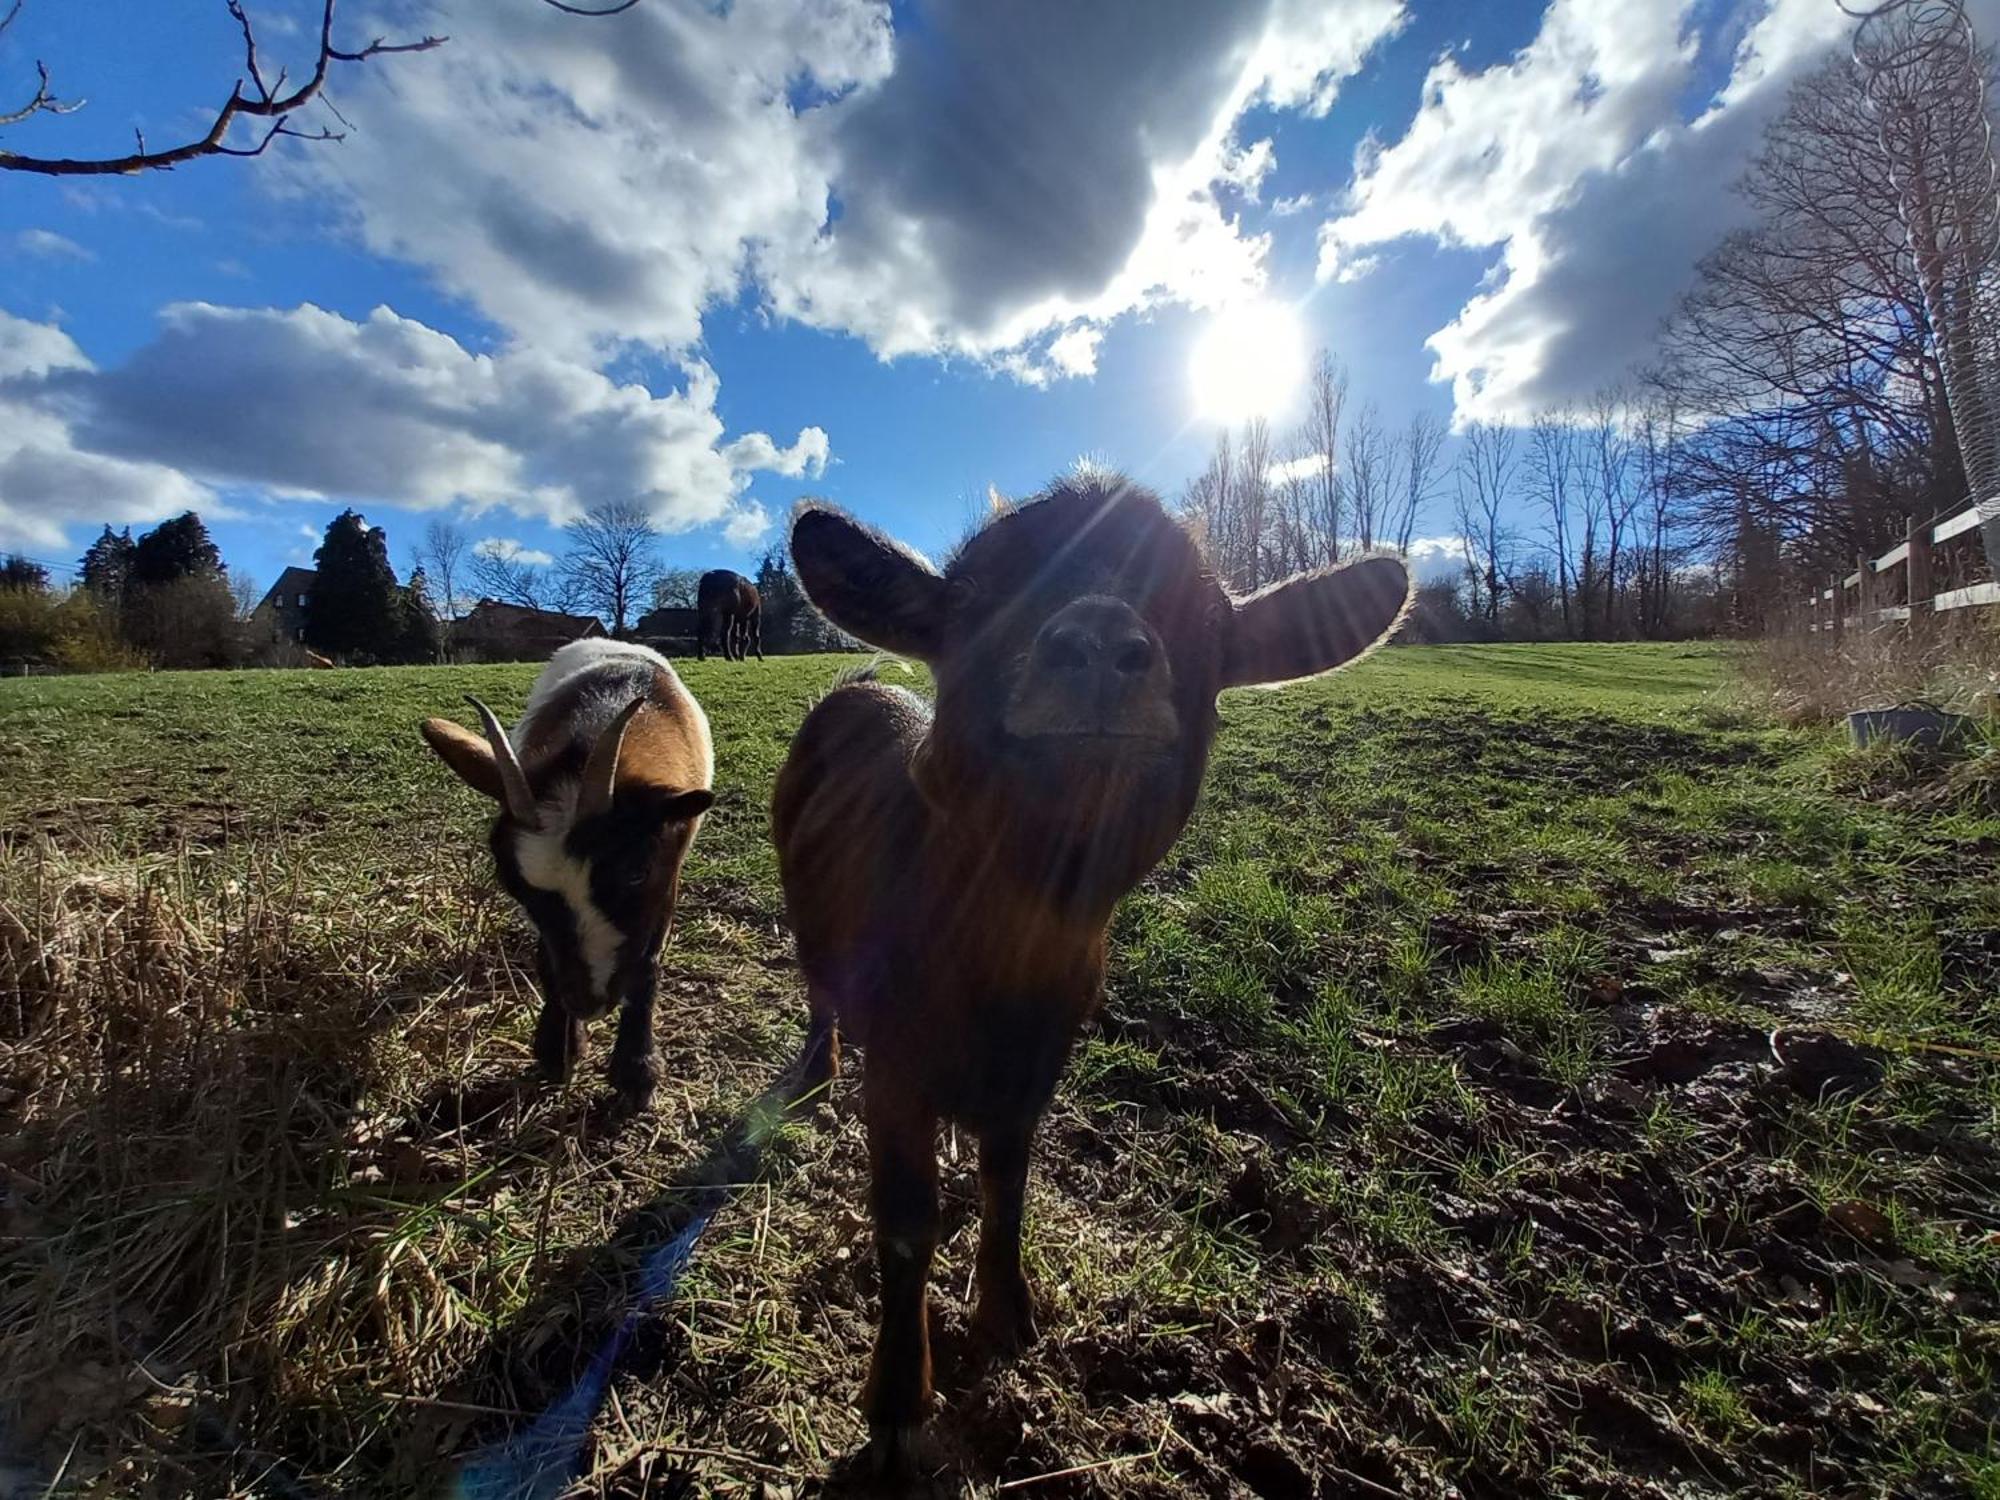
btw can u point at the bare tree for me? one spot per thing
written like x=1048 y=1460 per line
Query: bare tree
x=1210 y=504
x=1294 y=546
x=244 y=592
x=1551 y=475
x=1655 y=444
x=261 y=100
x=1807 y=345
x=1372 y=482
x=1326 y=399
x=613 y=559
x=443 y=557
x=505 y=572
x=1423 y=443
x=1253 y=507
x=677 y=588
x=1485 y=477
x=1607 y=482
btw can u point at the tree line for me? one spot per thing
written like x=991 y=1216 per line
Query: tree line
x=166 y=599
x=1567 y=529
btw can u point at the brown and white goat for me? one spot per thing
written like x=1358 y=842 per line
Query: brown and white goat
x=950 y=871
x=601 y=788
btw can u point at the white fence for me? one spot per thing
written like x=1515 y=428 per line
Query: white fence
x=1858 y=599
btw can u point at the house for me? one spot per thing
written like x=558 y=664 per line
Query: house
x=669 y=629
x=492 y=631
x=280 y=620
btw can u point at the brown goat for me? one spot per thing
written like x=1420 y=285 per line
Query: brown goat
x=727 y=607
x=601 y=790
x=950 y=872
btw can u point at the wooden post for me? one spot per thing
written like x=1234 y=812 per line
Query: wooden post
x=1918 y=572
x=1839 y=602
x=1864 y=590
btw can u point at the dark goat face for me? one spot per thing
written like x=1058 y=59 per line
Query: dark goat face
x=1079 y=641
x=599 y=893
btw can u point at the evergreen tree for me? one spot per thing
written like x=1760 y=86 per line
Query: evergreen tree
x=18 y=573
x=176 y=607
x=107 y=565
x=357 y=612
x=176 y=549
x=420 y=637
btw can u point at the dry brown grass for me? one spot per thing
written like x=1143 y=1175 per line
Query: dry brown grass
x=1818 y=679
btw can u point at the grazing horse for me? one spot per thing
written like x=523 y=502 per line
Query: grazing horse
x=727 y=606
x=951 y=869
x=601 y=788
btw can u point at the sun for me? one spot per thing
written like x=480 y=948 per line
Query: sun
x=1248 y=362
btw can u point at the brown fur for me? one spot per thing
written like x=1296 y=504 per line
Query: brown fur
x=317 y=662
x=950 y=874
x=728 y=608
x=633 y=850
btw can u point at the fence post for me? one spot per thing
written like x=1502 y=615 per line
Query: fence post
x=1839 y=603
x=1864 y=590
x=1918 y=571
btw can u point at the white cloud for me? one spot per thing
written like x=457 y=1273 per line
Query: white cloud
x=1573 y=160
x=1300 y=467
x=1285 y=208
x=307 y=403
x=47 y=483
x=993 y=179
x=508 y=549
x=48 y=245
x=1437 y=558
x=746 y=525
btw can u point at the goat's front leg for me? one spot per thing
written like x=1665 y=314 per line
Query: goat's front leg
x=819 y=1058
x=1005 y=1316
x=558 y=1041
x=902 y=1161
x=635 y=1070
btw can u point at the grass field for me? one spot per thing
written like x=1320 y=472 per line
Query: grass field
x=1529 y=1074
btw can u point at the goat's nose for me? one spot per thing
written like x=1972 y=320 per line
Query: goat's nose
x=1096 y=636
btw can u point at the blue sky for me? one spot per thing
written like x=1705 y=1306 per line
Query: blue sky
x=718 y=259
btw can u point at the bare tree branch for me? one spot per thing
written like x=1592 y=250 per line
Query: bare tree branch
x=43 y=101
x=263 y=101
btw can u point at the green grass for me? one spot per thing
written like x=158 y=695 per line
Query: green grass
x=1434 y=1073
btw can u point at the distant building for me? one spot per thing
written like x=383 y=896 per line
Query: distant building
x=669 y=629
x=280 y=621
x=492 y=631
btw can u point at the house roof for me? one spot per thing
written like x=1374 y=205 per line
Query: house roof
x=291 y=581
x=492 y=614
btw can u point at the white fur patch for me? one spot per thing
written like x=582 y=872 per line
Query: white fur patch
x=577 y=658
x=547 y=866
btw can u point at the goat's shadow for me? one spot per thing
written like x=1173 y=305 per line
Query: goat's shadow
x=609 y=1309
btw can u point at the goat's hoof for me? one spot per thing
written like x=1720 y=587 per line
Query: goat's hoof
x=635 y=1078
x=891 y=1456
x=1006 y=1323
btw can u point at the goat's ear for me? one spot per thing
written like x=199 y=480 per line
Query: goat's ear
x=688 y=806
x=466 y=753
x=1315 y=622
x=866 y=584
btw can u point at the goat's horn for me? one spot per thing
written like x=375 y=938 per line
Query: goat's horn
x=515 y=796
x=600 y=773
